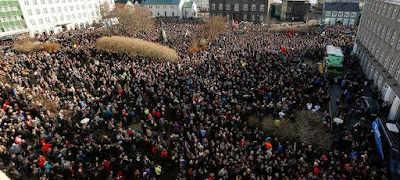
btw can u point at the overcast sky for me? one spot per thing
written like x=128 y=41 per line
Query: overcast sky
x=312 y=1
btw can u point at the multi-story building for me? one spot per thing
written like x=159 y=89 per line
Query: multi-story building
x=11 y=19
x=171 y=8
x=295 y=10
x=345 y=13
x=241 y=10
x=53 y=16
x=378 y=47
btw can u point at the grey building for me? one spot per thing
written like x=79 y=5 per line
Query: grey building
x=378 y=47
x=345 y=13
x=241 y=10
x=295 y=10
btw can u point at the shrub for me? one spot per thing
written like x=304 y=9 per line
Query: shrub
x=311 y=130
x=134 y=46
x=30 y=46
x=46 y=103
x=26 y=46
x=49 y=47
x=308 y=128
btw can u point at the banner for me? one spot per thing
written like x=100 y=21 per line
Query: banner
x=375 y=127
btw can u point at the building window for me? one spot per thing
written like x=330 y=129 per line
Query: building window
x=384 y=10
x=346 y=14
x=261 y=18
x=353 y=14
x=334 y=13
x=50 y=2
x=380 y=81
x=236 y=7
x=383 y=32
x=396 y=76
x=228 y=7
x=37 y=11
x=393 y=38
x=29 y=12
x=45 y=10
x=253 y=17
x=245 y=17
x=42 y=1
x=34 y=2
x=327 y=13
x=32 y=21
x=262 y=8
x=391 y=66
x=245 y=7
x=340 y=14
x=220 y=7
x=212 y=6
x=40 y=21
x=389 y=11
x=26 y=2
x=47 y=20
x=388 y=34
x=386 y=61
x=398 y=18
x=253 y=7
x=398 y=44
x=394 y=13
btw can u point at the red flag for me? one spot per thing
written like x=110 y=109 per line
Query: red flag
x=291 y=30
x=283 y=49
x=290 y=34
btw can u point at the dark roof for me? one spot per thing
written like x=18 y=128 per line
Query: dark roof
x=161 y=2
x=125 y=1
x=188 y=4
x=341 y=7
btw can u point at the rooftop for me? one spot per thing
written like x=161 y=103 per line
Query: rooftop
x=188 y=4
x=341 y=7
x=160 y=2
x=393 y=1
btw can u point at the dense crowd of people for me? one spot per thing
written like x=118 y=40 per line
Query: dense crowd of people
x=192 y=113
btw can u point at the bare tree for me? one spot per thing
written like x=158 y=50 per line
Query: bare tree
x=307 y=128
x=105 y=10
x=131 y=20
x=212 y=28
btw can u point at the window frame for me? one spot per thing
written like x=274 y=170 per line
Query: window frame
x=227 y=7
x=253 y=7
x=236 y=7
x=328 y=14
x=245 y=7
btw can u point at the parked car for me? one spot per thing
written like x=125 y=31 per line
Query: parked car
x=371 y=106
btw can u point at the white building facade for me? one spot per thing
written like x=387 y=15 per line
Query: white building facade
x=166 y=8
x=189 y=10
x=378 y=47
x=202 y=5
x=54 y=16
